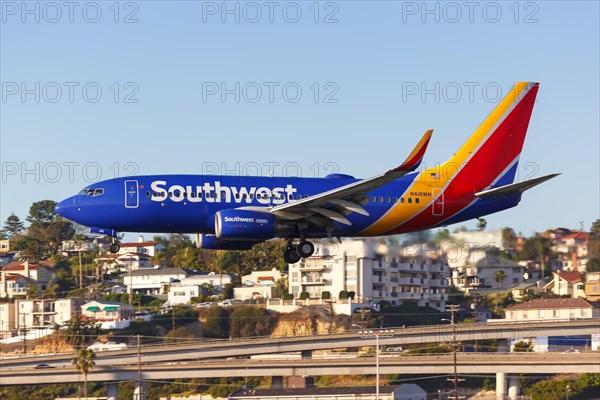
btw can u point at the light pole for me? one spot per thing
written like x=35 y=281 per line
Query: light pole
x=452 y=309
x=377 y=333
x=568 y=389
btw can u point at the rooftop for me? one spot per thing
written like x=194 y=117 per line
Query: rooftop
x=545 y=304
x=569 y=276
x=311 y=391
x=20 y=265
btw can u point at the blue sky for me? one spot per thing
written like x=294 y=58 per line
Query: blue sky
x=346 y=86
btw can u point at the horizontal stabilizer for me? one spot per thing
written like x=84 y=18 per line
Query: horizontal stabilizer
x=514 y=188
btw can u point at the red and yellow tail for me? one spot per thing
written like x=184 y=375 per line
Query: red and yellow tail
x=492 y=151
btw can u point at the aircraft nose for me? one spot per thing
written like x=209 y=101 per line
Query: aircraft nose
x=65 y=208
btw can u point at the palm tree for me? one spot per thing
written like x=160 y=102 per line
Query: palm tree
x=84 y=362
x=499 y=277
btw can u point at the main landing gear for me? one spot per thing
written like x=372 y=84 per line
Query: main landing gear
x=293 y=254
x=114 y=246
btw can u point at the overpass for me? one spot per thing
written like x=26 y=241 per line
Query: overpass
x=468 y=363
x=201 y=350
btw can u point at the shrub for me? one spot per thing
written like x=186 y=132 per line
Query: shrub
x=326 y=295
x=288 y=296
x=304 y=295
x=343 y=294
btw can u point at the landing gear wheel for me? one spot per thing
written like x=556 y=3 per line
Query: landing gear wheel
x=305 y=249
x=291 y=256
x=114 y=248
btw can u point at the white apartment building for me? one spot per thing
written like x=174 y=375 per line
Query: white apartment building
x=373 y=271
x=38 y=313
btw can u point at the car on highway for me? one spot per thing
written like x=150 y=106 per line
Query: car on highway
x=43 y=366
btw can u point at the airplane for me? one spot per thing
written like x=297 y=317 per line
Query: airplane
x=236 y=212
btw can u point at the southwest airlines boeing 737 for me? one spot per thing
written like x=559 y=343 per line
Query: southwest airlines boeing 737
x=234 y=213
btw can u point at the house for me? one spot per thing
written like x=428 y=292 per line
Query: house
x=16 y=285
x=182 y=293
x=257 y=285
x=572 y=251
x=131 y=255
x=41 y=272
x=152 y=281
x=209 y=280
x=592 y=286
x=7 y=319
x=107 y=311
x=488 y=274
x=374 y=272
x=552 y=309
x=528 y=287
x=566 y=284
x=407 y=391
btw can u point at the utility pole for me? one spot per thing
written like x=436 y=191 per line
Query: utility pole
x=139 y=347
x=130 y=284
x=452 y=309
x=173 y=321
x=377 y=365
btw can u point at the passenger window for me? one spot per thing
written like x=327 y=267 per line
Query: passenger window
x=395 y=199
x=417 y=200
x=373 y=199
x=306 y=195
x=298 y=196
x=388 y=199
x=381 y=199
x=170 y=194
x=176 y=193
x=410 y=199
x=402 y=200
x=199 y=195
x=147 y=194
x=193 y=195
x=251 y=196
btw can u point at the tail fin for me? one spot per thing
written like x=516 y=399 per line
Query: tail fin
x=489 y=157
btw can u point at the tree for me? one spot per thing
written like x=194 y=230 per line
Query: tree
x=78 y=332
x=281 y=286
x=509 y=237
x=593 y=264
x=12 y=226
x=84 y=363
x=216 y=324
x=481 y=224
x=522 y=346
x=499 y=277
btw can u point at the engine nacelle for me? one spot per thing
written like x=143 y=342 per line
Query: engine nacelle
x=245 y=225
x=211 y=242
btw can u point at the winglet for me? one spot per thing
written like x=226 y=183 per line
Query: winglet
x=414 y=159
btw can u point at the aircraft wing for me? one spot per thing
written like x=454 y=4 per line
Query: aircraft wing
x=320 y=209
x=513 y=188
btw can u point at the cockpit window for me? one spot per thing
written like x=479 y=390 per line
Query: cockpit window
x=92 y=192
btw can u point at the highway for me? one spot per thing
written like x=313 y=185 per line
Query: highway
x=468 y=363
x=201 y=350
